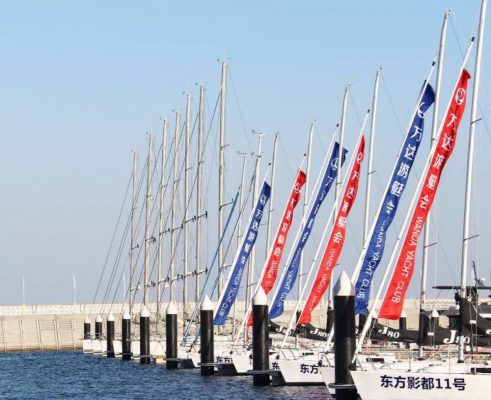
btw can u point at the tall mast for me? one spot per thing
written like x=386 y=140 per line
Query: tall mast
x=270 y=206
x=133 y=230
x=250 y=272
x=342 y=128
x=239 y=230
x=306 y=201
x=339 y=180
x=221 y=169
x=470 y=163
x=186 y=195
x=370 y=171
x=434 y=133
x=148 y=211
x=172 y=272
x=201 y=130
x=161 y=218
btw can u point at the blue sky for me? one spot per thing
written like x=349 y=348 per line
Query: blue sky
x=82 y=82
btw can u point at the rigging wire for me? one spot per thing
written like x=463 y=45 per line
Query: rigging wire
x=112 y=241
x=173 y=252
x=249 y=146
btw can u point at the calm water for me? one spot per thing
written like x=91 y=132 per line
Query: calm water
x=69 y=374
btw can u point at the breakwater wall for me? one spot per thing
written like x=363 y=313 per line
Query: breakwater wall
x=60 y=326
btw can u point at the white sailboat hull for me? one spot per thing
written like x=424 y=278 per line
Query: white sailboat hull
x=98 y=347
x=299 y=372
x=395 y=385
x=157 y=348
x=118 y=347
x=87 y=346
x=135 y=348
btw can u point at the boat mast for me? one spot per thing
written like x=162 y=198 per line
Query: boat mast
x=250 y=272
x=201 y=130
x=133 y=231
x=161 y=219
x=305 y=202
x=271 y=198
x=148 y=211
x=434 y=133
x=221 y=170
x=239 y=231
x=339 y=180
x=470 y=165
x=342 y=128
x=172 y=271
x=371 y=144
x=186 y=195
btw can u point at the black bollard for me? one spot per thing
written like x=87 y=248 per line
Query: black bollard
x=110 y=336
x=207 y=337
x=345 y=333
x=260 y=338
x=144 y=336
x=403 y=327
x=171 y=336
x=126 y=337
x=98 y=327
x=330 y=319
x=403 y=321
x=87 y=328
x=362 y=320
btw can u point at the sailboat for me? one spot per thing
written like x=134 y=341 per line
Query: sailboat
x=455 y=378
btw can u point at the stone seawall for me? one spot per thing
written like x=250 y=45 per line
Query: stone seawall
x=60 y=327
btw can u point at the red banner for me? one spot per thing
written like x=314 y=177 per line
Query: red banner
x=273 y=263
x=394 y=297
x=336 y=240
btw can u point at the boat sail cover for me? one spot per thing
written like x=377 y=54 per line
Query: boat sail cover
x=394 y=297
x=288 y=281
x=229 y=294
x=273 y=261
x=336 y=239
x=400 y=176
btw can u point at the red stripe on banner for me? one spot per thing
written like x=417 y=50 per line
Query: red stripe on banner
x=336 y=240
x=273 y=263
x=394 y=298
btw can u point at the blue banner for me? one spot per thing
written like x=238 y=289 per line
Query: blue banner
x=400 y=176
x=229 y=294
x=290 y=277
